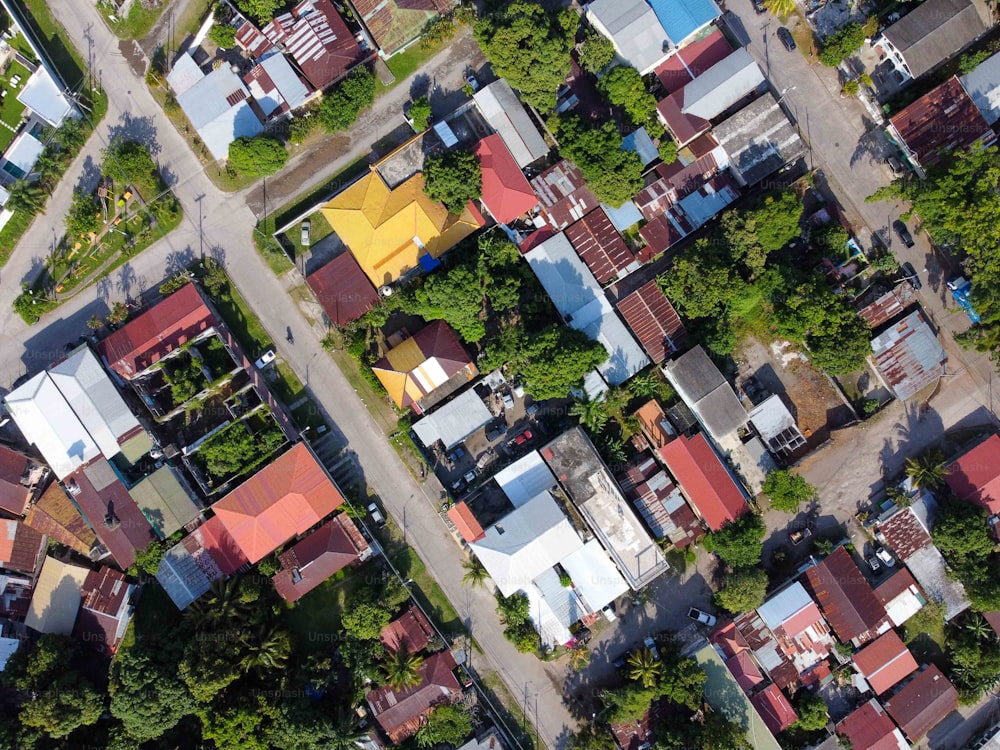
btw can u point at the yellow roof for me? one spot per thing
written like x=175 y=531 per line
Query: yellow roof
x=384 y=229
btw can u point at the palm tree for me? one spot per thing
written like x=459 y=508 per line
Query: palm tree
x=643 y=667
x=780 y=8
x=475 y=573
x=403 y=670
x=643 y=386
x=26 y=196
x=221 y=607
x=927 y=471
x=579 y=657
x=268 y=648
x=344 y=734
x=977 y=626
x=591 y=413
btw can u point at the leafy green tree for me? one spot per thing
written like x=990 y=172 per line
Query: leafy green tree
x=717 y=733
x=67 y=703
x=529 y=46
x=501 y=271
x=628 y=702
x=591 y=737
x=596 y=52
x=555 y=359
x=592 y=413
x=260 y=155
x=130 y=163
x=84 y=215
x=454 y=178
x=842 y=43
x=118 y=313
x=455 y=297
x=961 y=533
x=447 y=725
x=420 y=113
x=780 y=8
x=341 y=107
x=812 y=712
x=27 y=196
x=926 y=472
x=261 y=11
x=744 y=590
x=668 y=150
x=739 y=542
x=403 y=669
x=513 y=609
x=147 y=695
x=365 y=621
x=787 y=491
x=613 y=174
x=777 y=219
x=222 y=35
x=701 y=283
x=623 y=87
x=644 y=668
x=969 y=62
x=830 y=238
x=267 y=649
x=475 y=574
x=682 y=680
x=241 y=724
x=211 y=663
x=975 y=657
x=148 y=560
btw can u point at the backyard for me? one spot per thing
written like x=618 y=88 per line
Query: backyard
x=10 y=108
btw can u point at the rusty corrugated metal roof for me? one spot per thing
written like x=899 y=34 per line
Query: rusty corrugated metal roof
x=909 y=355
x=653 y=320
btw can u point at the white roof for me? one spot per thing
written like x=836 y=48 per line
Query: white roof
x=24 y=151
x=633 y=28
x=181 y=577
x=582 y=303
x=45 y=98
x=289 y=85
x=928 y=567
x=525 y=543
x=722 y=85
x=184 y=74
x=779 y=608
x=983 y=85
x=56 y=598
x=553 y=608
x=596 y=578
x=4 y=196
x=525 y=478
x=904 y=606
x=218 y=107
x=504 y=111
x=8 y=646
x=771 y=417
x=454 y=421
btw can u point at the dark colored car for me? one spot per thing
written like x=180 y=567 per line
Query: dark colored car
x=496 y=431
x=785 y=37
x=910 y=274
x=622 y=660
x=902 y=232
x=759 y=7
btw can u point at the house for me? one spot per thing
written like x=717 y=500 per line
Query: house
x=55 y=516
x=56 y=598
x=454 y=421
x=935 y=31
x=392 y=231
x=400 y=713
x=147 y=338
x=20 y=156
x=653 y=320
x=758 y=140
x=884 y=662
x=276 y=87
x=901 y=596
x=945 y=119
x=633 y=28
x=922 y=703
x=689 y=213
x=888 y=306
x=639 y=143
x=982 y=83
x=655 y=427
x=15 y=596
x=465 y=522
x=684 y=19
x=706 y=392
x=640 y=733
x=869 y=726
x=692 y=60
x=284 y=499
x=218 y=105
x=581 y=302
x=659 y=502
x=342 y=289
x=504 y=112
x=411 y=631
x=677 y=180
x=206 y=555
x=490 y=740
x=430 y=363
x=46 y=98
x=776 y=426
x=21 y=547
x=506 y=193
x=705 y=481
x=975 y=475
x=908 y=356
x=601 y=247
x=525 y=479
x=20 y=478
x=798 y=626
x=105 y=610
x=774 y=708
x=395 y=24
x=164 y=498
x=846 y=600
x=321 y=553
x=564 y=196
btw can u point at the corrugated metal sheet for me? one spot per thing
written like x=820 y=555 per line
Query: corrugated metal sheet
x=564 y=194
x=600 y=246
x=909 y=356
x=653 y=320
x=888 y=306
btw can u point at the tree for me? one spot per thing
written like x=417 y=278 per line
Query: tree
x=269 y=648
x=623 y=87
x=613 y=174
x=260 y=155
x=476 y=574
x=739 y=542
x=579 y=657
x=420 y=113
x=787 y=491
x=447 y=725
x=455 y=297
x=67 y=703
x=365 y=621
x=84 y=215
x=148 y=560
x=223 y=35
x=341 y=107
x=147 y=696
x=776 y=219
x=454 y=178
x=780 y=8
x=596 y=52
x=529 y=46
x=27 y=196
x=812 y=712
x=513 y=609
x=130 y=163
x=592 y=413
x=717 y=733
x=261 y=10
x=643 y=667
x=555 y=359
x=118 y=313
x=403 y=669
x=210 y=665
x=241 y=724
x=668 y=150
x=842 y=43
x=975 y=657
x=744 y=590
x=590 y=737
x=682 y=680
x=700 y=283
x=928 y=471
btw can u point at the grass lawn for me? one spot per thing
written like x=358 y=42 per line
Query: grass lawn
x=805 y=40
x=12 y=232
x=925 y=635
x=11 y=109
x=407 y=63
x=287 y=387
x=19 y=43
x=55 y=41
x=319 y=228
x=243 y=323
x=315 y=618
x=138 y=22
x=155 y=611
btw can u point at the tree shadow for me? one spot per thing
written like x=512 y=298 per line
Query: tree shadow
x=169 y=177
x=218 y=254
x=420 y=86
x=89 y=177
x=138 y=129
x=104 y=288
x=37 y=266
x=871 y=145
x=126 y=280
x=179 y=260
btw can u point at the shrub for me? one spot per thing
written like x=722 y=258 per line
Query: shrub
x=420 y=113
x=787 y=491
x=842 y=43
x=223 y=35
x=850 y=88
x=453 y=178
x=257 y=156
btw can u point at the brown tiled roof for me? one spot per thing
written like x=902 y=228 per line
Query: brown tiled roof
x=54 y=515
x=905 y=533
x=869 y=727
x=465 y=521
x=411 y=630
x=885 y=661
x=653 y=320
x=660 y=233
x=599 y=245
x=20 y=546
x=343 y=289
x=400 y=713
x=844 y=596
x=321 y=553
x=14 y=496
x=922 y=703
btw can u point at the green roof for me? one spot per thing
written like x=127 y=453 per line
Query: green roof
x=164 y=501
x=136 y=447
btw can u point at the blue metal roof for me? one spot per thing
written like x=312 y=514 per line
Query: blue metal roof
x=681 y=18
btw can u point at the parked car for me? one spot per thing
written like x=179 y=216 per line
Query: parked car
x=902 y=232
x=609 y=613
x=471 y=80
x=456 y=454
x=650 y=643
x=703 y=617
x=377 y=518
x=518 y=389
x=305 y=238
x=470 y=476
x=910 y=274
x=874 y=564
x=622 y=660
x=886 y=557
x=759 y=7
x=961 y=291
x=785 y=37
x=265 y=359
x=458 y=486
x=508 y=400
x=463 y=676
x=895 y=165
x=799 y=536
x=523 y=438
x=496 y=431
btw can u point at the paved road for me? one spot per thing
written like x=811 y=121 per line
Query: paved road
x=227 y=225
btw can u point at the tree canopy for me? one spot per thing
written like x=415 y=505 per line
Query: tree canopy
x=744 y=590
x=529 y=46
x=842 y=43
x=223 y=34
x=257 y=156
x=812 y=712
x=624 y=87
x=596 y=52
x=454 y=178
x=739 y=542
x=962 y=535
x=447 y=725
x=341 y=107
x=420 y=113
x=787 y=491
x=613 y=174
x=261 y=11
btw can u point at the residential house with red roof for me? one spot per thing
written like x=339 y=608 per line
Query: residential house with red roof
x=845 y=598
x=601 y=246
x=975 y=475
x=798 y=626
x=411 y=631
x=465 y=522
x=564 y=196
x=869 y=726
x=901 y=596
x=284 y=499
x=150 y=336
x=206 y=555
x=659 y=502
x=21 y=547
x=400 y=713
x=20 y=478
x=692 y=60
x=705 y=481
x=922 y=703
x=342 y=289
x=105 y=610
x=884 y=662
x=334 y=546
x=506 y=193
x=653 y=320
x=774 y=708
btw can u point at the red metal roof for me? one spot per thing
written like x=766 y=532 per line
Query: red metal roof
x=401 y=712
x=14 y=496
x=343 y=289
x=884 y=662
x=922 y=703
x=869 y=727
x=898 y=583
x=212 y=539
x=564 y=194
x=506 y=192
x=975 y=476
x=20 y=546
x=905 y=533
x=332 y=547
x=684 y=128
x=888 y=306
x=599 y=245
x=844 y=596
x=158 y=331
x=745 y=671
x=774 y=709
x=411 y=630
x=101 y=613
x=465 y=522
x=285 y=498
x=692 y=60
x=660 y=233
x=705 y=480
x=653 y=320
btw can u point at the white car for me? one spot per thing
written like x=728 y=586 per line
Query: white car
x=473 y=83
x=508 y=401
x=376 y=515
x=885 y=556
x=703 y=617
x=265 y=359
